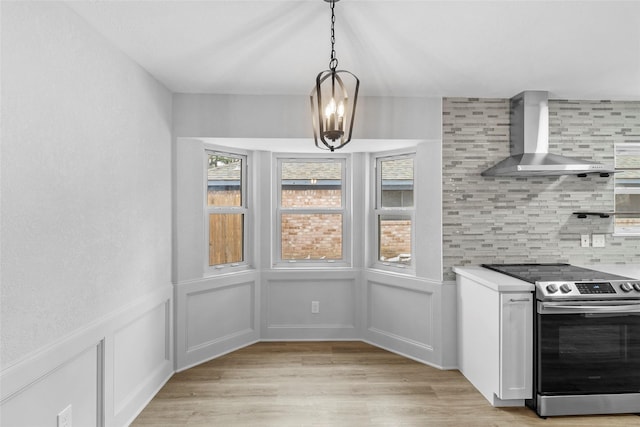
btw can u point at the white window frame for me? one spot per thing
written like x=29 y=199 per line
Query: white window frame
x=627 y=231
x=242 y=209
x=379 y=210
x=345 y=210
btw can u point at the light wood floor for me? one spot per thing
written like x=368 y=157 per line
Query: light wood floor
x=333 y=384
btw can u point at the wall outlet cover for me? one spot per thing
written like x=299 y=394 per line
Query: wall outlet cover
x=585 y=240
x=64 y=417
x=598 y=240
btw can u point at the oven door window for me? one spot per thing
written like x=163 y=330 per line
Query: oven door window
x=588 y=353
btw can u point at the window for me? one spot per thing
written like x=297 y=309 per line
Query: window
x=394 y=210
x=627 y=189
x=311 y=211
x=226 y=209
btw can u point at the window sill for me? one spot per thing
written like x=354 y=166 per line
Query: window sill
x=392 y=269
x=623 y=234
x=227 y=269
x=311 y=265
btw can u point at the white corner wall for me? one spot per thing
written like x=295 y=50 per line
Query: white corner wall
x=86 y=299
x=215 y=314
x=413 y=316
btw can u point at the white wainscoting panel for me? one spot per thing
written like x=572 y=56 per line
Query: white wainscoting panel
x=141 y=360
x=403 y=315
x=107 y=371
x=75 y=383
x=288 y=296
x=215 y=315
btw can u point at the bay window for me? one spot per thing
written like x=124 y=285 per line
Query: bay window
x=312 y=211
x=226 y=208
x=394 y=210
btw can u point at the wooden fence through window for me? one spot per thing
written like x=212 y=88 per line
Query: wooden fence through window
x=225 y=229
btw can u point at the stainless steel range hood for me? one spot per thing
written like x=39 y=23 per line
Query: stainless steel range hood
x=529 y=143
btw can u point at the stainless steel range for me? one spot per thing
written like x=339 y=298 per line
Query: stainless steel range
x=563 y=282
x=586 y=339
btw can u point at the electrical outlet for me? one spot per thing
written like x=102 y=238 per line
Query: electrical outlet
x=64 y=417
x=584 y=240
x=315 y=307
x=598 y=240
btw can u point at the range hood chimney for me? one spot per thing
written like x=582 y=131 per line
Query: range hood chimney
x=529 y=143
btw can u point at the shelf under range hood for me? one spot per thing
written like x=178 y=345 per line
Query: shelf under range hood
x=584 y=214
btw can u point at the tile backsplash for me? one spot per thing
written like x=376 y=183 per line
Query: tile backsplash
x=511 y=220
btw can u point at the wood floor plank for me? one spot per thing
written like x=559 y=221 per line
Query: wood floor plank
x=334 y=384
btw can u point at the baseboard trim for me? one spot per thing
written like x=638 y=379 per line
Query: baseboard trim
x=231 y=350
x=149 y=399
x=403 y=354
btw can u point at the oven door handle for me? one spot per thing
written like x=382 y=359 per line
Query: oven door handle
x=546 y=308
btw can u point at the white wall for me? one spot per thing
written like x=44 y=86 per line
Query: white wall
x=214 y=314
x=286 y=305
x=86 y=303
x=86 y=222
x=416 y=315
x=287 y=116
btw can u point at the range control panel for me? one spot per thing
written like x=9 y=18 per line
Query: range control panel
x=589 y=290
x=595 y=288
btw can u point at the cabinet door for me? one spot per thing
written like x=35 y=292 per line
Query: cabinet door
x=516 y=345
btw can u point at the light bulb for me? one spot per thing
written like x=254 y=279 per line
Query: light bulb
x=330 y=108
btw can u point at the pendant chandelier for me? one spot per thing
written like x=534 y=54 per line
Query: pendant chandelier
x=333 y=100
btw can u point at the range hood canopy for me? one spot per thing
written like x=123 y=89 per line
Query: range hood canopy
x=529 y=143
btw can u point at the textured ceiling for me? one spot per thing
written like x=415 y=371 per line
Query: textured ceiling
x=573 y=49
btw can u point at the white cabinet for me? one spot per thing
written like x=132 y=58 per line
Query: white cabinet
x=495 y=339
x=516 y=345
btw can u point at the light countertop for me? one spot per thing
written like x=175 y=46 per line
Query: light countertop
x=502 y=283
x=493 y=280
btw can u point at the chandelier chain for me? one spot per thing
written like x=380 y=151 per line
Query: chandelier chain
x=333 y=62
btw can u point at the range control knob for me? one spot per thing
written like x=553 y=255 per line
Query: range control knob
x=552 y=289
x=636 y=286
x=626 y=287
x=565 y=288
